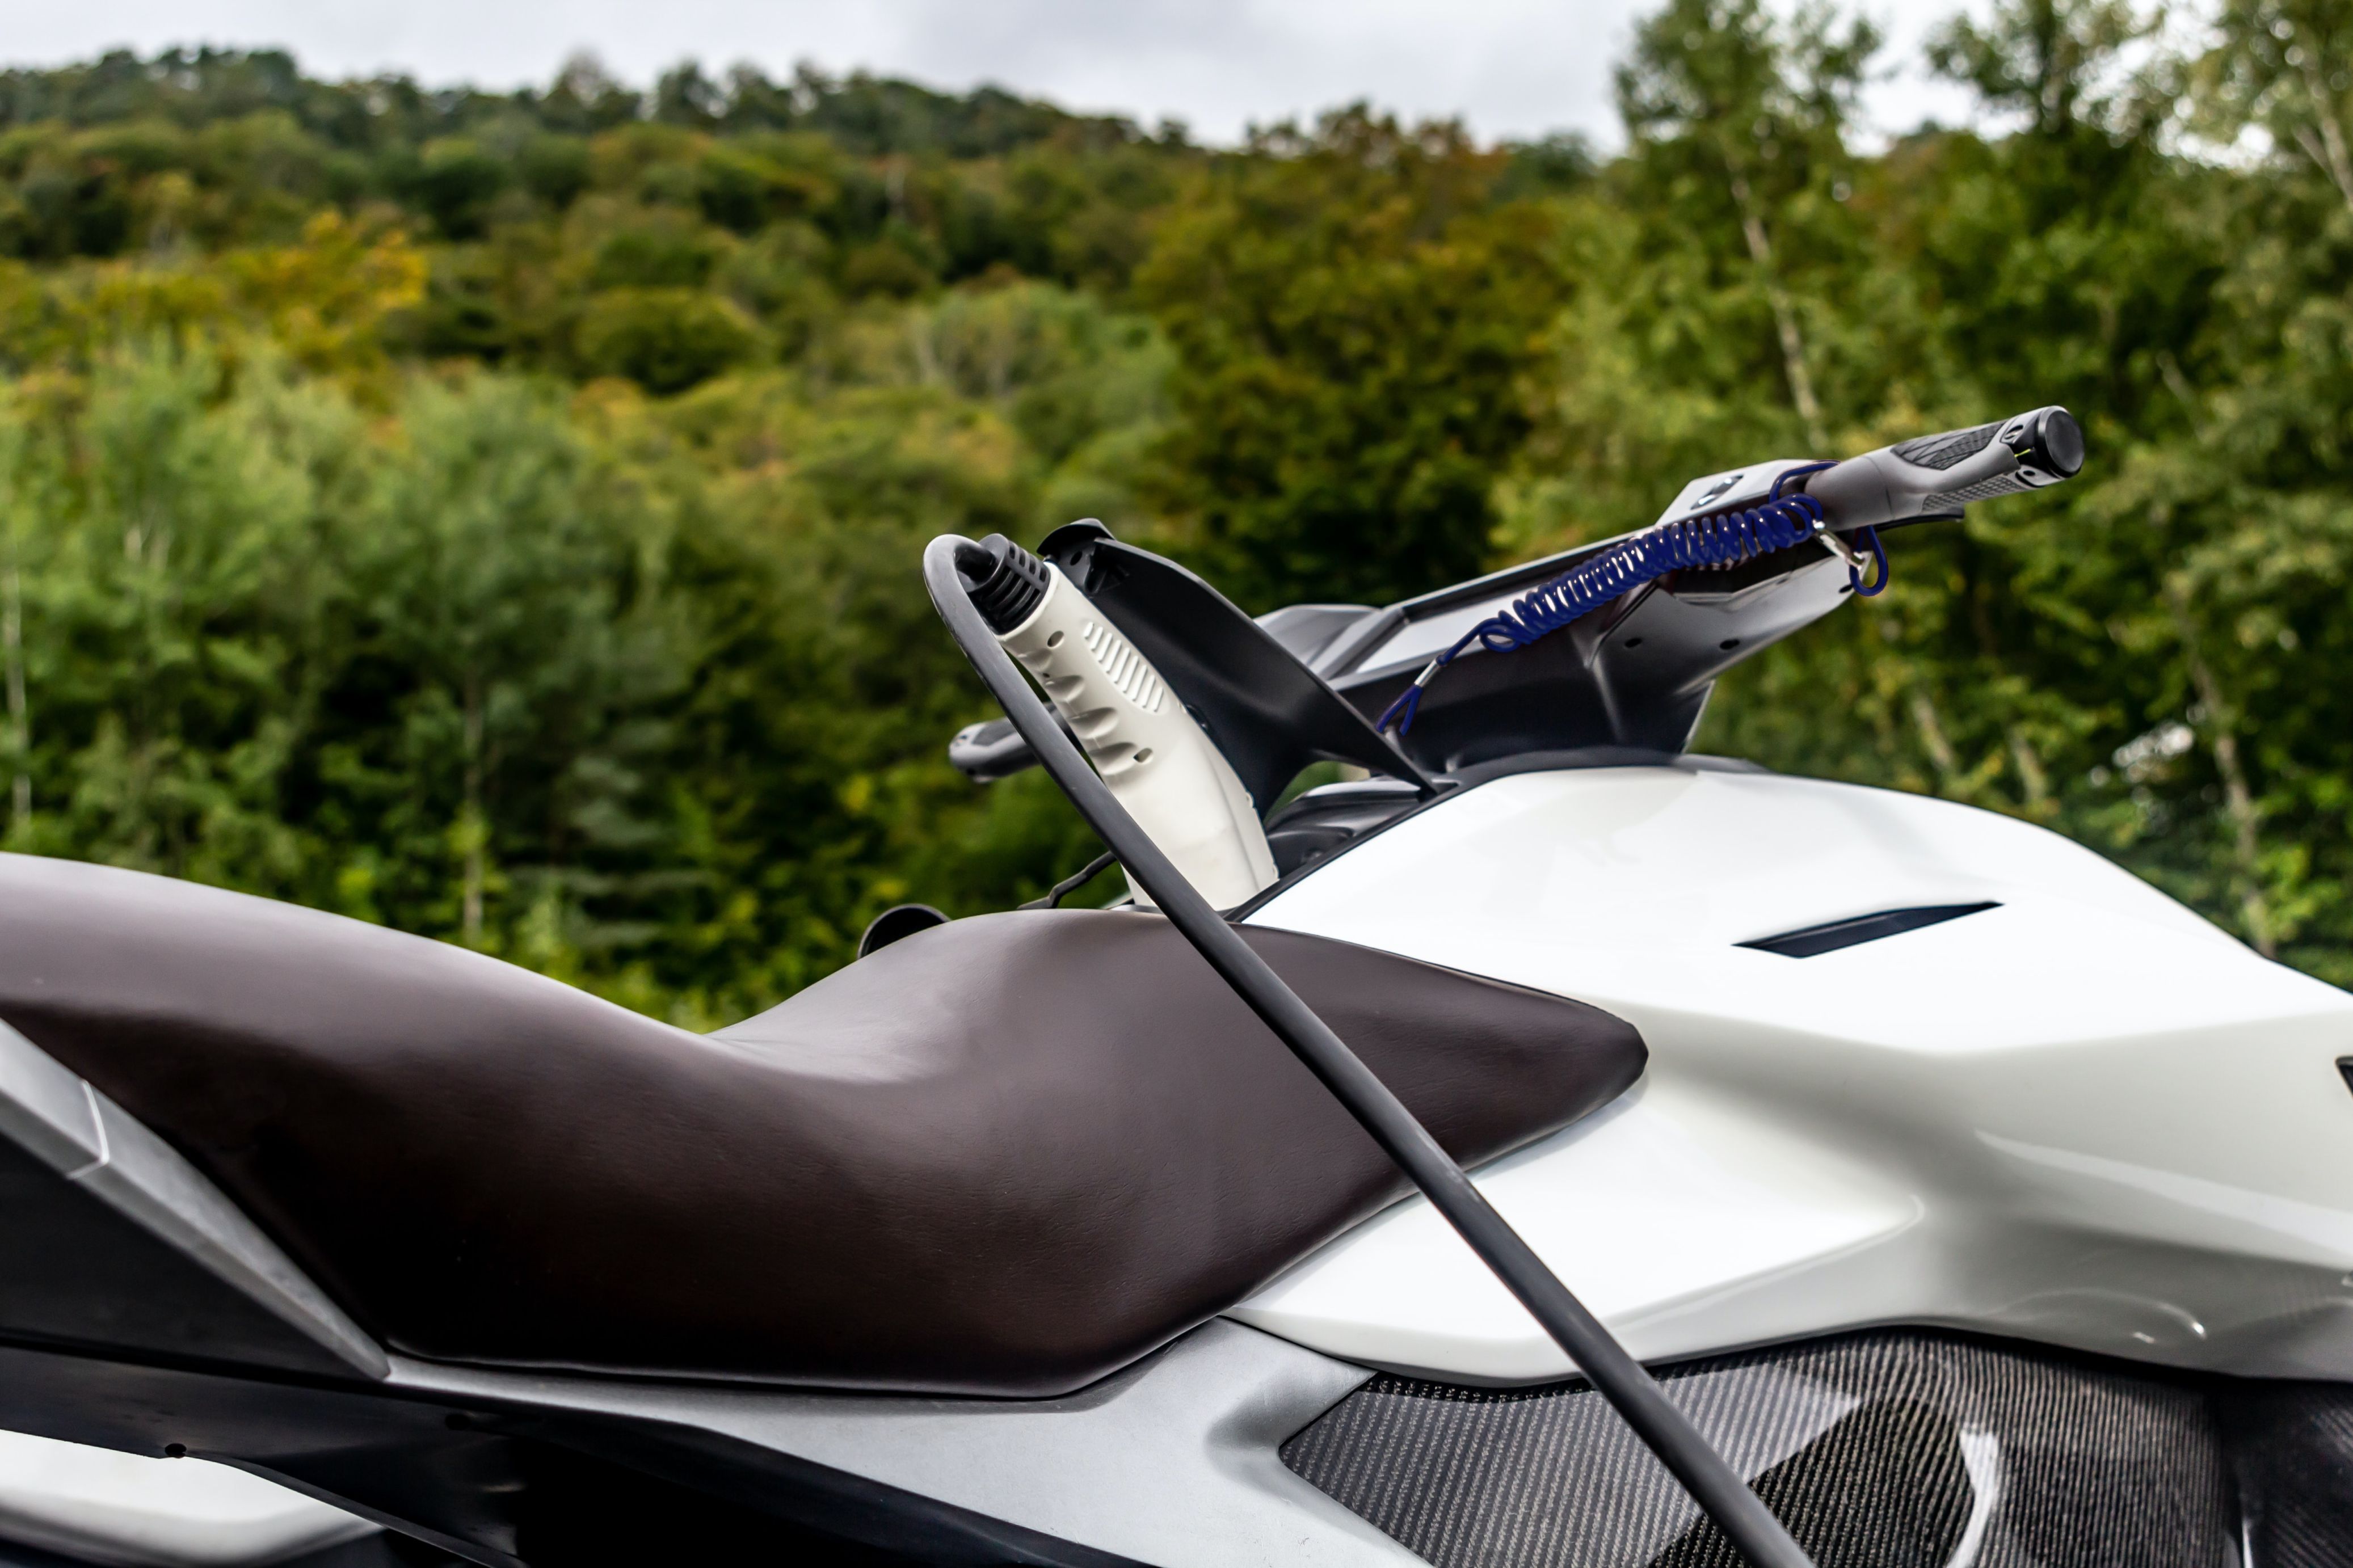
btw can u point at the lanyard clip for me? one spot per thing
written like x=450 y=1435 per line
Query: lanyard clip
x=1856 y=559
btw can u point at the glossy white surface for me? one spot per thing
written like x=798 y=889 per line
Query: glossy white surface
x=105 y=1507
x=2086 y=1117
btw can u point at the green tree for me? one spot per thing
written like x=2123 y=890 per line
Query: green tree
x=176 y=601
x=1732 y=108
x=497 y=653
x=664 y=338
x=1351 y=319
x=2284 y=65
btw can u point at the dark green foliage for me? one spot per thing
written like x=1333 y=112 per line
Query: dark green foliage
x=1352 y=315
x=454 y=184
x=555 y=169
x=658 y=256
x=664 y=338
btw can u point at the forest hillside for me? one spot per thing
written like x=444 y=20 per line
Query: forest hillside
x=497 y=515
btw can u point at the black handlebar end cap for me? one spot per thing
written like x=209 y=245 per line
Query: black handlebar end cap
x=2054 y=443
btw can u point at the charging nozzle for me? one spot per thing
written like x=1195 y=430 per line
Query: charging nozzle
x=1004 y=581
x=1159 y=763
x=1937 y=475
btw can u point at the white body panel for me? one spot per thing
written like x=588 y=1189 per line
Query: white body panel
x=2086 y=1117
x=105 y=1507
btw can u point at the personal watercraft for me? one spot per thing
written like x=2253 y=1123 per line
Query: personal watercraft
x=1855 y=1178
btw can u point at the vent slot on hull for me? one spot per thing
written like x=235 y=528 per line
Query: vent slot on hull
x=1812 y=941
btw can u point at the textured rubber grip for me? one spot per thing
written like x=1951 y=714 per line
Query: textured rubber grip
x=1942 y=452
x=1929 y=475
x=1984 y=489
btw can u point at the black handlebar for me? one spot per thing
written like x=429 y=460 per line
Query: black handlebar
x=1931 y=476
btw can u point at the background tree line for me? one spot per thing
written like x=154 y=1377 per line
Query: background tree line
x=496 y=515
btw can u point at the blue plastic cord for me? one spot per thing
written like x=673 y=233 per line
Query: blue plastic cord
x=1878 y=584
x=1718 y=539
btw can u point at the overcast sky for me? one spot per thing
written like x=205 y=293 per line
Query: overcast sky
x=1510 y=68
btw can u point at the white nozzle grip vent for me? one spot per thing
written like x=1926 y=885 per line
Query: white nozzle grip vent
x=1123 y=666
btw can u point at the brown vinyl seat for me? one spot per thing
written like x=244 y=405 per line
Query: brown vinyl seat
x=1006 y=1155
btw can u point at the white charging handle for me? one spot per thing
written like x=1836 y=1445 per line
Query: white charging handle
x=1162 y=766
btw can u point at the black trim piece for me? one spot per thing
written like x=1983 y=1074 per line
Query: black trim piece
x=897 y=924
x=1812 y=941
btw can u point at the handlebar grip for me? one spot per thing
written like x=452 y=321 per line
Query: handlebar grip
x=990 y=749
x=1941 y=473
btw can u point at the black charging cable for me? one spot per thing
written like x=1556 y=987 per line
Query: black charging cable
x=1053 y=896
x=1633 y=1392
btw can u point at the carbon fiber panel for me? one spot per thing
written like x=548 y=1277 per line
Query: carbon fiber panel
x=2291 y=1452
x=1883 y=1450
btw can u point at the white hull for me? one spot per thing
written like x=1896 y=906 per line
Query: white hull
x=2086 y=1117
